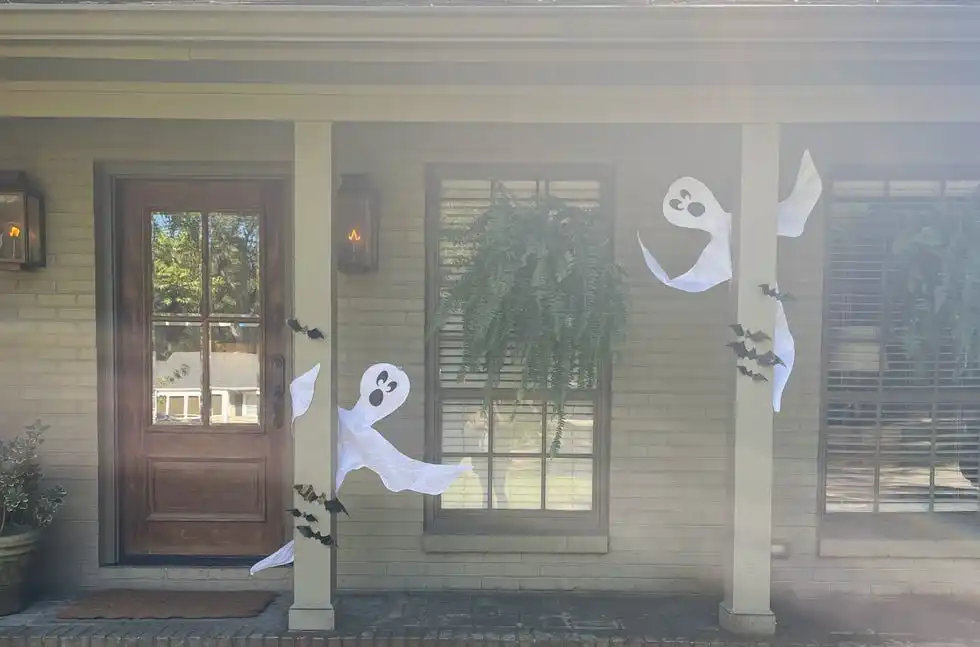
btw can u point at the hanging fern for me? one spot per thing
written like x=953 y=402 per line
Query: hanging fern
x=538 y=289
x=935 y=287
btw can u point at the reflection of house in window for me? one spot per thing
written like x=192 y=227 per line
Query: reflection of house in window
x=234 y=379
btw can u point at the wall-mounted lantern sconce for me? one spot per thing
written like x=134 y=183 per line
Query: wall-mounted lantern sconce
x=356 y=225
x=22 y=244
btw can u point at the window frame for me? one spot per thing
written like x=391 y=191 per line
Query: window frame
x=876 y=525
x=438 y=521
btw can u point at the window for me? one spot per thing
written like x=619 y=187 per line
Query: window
x=515 y=486
x=895 y=440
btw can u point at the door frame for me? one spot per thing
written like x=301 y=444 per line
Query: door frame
x=106 y=175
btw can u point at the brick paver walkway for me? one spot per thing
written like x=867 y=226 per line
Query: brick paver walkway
x=519 y=620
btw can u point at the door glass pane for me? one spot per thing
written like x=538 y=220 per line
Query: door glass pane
x=175 y=243
x=177 y=371
x=233 y=257
x=235 y=373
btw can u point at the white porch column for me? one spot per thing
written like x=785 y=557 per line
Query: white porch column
x=746 y=608
x=314 y=305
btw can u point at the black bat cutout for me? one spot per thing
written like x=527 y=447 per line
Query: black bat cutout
x=334 y=506
x=757 y=336
x=770 y=291
x=770 y=359
x=304 y=515
x=309 y=533
x=739 y=331
x=741 y=350
x=308 y=494
x=297 y=327
x=756 y=377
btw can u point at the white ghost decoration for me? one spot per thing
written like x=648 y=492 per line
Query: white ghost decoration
x=691 y=204
x=301 y=391
x=384 y=388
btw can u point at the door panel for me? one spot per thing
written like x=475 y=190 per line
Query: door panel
x=201 y=333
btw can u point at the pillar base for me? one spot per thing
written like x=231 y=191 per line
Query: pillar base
x=308 y=619
x=747 y=624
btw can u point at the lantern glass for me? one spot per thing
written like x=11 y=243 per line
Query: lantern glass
x=36 y=253
x=22 y=244
x=13 y=228
x=356 y=225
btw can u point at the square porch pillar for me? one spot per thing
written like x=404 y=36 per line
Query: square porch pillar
x=746 y=608
x=314 y=305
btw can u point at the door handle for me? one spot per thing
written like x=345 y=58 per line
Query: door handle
x=278 y=390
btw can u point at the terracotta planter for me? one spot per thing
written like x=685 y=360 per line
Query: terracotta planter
x=16 y=552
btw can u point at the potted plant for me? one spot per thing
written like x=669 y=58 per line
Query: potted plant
x=26 y=508
x=536 y=287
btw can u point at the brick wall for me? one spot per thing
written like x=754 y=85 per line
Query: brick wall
x=797 y=434
x=47 y=318
x=671 y=390
x=672 y=386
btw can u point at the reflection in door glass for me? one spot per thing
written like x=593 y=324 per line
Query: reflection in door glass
x=233 y=257
x=235 y=373
x=175 y=241
x=177 y=373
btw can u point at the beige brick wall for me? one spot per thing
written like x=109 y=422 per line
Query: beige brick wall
x=47 y=318
x=672 y=387
x=797 y=440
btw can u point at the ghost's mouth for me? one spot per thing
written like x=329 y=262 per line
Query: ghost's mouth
x=376 y=397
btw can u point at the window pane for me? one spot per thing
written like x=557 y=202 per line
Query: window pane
x=235 y=372
x=462 y=201
x=177 y=370
x=851 y=456
x=233 y=255
x=517 y=483
x=569 y=484
x=896 y=446
x=904 y=458
x=175 y=242
x=464 y=428
x=517 y=428
x=956 y=458
x=577 y=436
x=469 y=491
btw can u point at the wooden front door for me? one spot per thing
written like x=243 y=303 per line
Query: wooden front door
x=200 y=368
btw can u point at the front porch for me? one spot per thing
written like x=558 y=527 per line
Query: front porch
x=416 y=619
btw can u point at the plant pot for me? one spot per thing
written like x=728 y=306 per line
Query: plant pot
x=16 y=553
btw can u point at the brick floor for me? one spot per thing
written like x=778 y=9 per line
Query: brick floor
x=520 y=620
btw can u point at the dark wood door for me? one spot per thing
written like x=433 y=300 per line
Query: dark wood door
x=201 y=375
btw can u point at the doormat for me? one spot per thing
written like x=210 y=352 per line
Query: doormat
x=138 y=604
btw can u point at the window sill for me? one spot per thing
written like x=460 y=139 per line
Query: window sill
x=555 y=544
x=901 y=548
x=902 y=536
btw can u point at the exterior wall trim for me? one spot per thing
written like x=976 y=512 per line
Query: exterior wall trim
x=474 y=104
x=501 y=25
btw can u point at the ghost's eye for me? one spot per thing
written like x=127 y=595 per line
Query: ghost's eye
x=685 y=194
x=676 y=205
x=382 y=378
x=391 y=386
